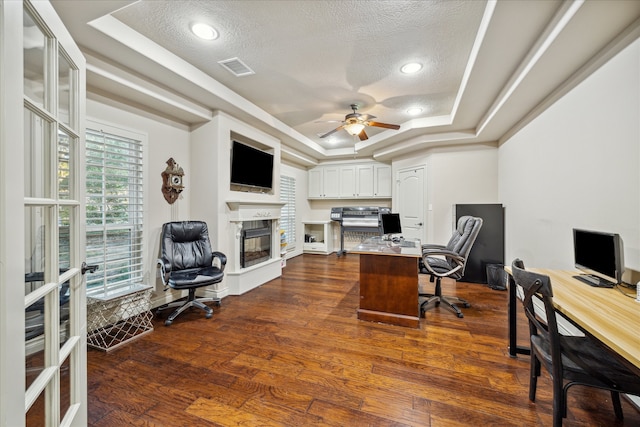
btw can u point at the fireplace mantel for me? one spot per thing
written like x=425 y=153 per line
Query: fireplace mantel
x=242 y=210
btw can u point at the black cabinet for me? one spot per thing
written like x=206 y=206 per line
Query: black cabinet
x=489 y=246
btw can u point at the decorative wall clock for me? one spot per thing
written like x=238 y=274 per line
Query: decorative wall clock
x=172 y=181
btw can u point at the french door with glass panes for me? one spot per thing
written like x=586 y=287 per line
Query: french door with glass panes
x=42 y=296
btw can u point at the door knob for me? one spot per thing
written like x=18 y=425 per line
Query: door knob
x=89 y=268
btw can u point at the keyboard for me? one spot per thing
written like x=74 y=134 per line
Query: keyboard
x=407 y=244
x=594 y=281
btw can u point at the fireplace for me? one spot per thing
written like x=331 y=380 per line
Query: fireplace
x=254 y=231
x=255 y=244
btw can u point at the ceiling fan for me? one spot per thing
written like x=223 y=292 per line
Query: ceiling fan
x=354 y=123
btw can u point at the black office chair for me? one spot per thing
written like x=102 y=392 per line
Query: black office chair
x=578 y=360
x=187 y=263
x=35 y=313
x=449 y=261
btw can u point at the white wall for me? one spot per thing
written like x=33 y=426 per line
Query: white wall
x=576 y=165
x=454 y=175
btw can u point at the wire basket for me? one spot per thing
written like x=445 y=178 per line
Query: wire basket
x=115 y=322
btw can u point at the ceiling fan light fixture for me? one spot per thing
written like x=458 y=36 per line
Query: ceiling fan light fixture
x=204 y=31
x=410 y=68
x=354 y=128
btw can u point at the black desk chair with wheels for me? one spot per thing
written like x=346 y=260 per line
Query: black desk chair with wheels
x=35 y=313
x=570 y=360
x=449 y=261
x=188 y=263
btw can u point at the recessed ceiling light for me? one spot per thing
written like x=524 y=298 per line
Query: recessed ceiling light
x=414 y=111
x=410 y=68
x=204 y=31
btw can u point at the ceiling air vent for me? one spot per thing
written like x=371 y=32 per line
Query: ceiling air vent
x=236 y=67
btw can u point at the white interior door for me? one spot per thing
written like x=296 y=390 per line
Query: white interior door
x=410 y=202
x=48 y=339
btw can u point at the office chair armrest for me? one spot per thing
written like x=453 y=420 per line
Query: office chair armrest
x=443 y=274
x=442 y=252
x=427 y=246
x=459 y=260
x=165 y=270
x=221 y=257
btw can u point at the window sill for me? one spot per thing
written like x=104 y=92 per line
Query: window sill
x=119 y=292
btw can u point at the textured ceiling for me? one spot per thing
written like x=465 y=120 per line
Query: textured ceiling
x=486 y=65
x=315 y=58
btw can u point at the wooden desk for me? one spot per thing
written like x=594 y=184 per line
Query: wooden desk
x=389 y=282
x=606 y=314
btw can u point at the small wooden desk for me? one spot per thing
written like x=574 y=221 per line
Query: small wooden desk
x=606 y=314
x=389 y=282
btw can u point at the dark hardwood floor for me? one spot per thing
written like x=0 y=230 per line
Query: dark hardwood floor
x=293 y=353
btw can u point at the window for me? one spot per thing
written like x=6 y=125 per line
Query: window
x=288 y=212
x=114 y=210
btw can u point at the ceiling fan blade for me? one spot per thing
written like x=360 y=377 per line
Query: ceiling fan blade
x=363 y=135
x=332 y=131
x=383 y=125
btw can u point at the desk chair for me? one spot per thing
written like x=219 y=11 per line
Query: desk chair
x=449 y=261
x=187 y=263
x=35 y=313
x=570 y=360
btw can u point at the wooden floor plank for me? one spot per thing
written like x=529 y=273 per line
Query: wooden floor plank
x=293 y=353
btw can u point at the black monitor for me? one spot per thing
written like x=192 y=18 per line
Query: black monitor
x=390 y=224
x=599 y=255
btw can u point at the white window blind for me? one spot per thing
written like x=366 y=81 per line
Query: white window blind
x=288 y=212
x=114 y=210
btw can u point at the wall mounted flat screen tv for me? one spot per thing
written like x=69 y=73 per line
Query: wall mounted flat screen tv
x=251 y=167
x=600 y=256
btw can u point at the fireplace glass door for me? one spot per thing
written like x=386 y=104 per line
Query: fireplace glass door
x=256 y=243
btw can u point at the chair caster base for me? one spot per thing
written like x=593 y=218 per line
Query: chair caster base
x=181 y=305
x=437 y=299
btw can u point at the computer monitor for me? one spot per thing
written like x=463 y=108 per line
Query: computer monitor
x=599 y=255
x=390 y=224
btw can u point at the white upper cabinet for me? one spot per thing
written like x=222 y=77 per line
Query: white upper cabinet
x=364 y=174
x=331 y=182
x=382 y=181
x=324 y=182
x=347 y=181
x=350 y=181
x=315 y=183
